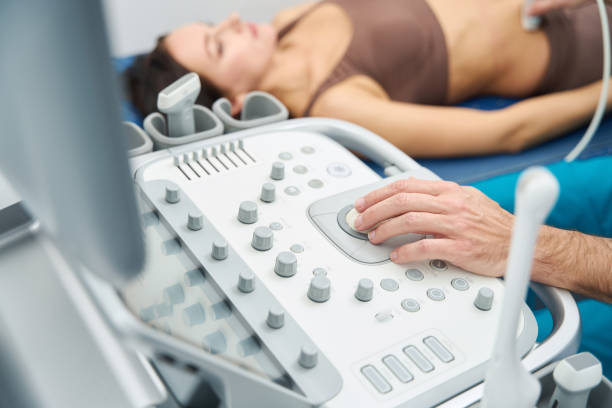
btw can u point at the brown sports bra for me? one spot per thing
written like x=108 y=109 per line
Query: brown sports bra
x=397 y=43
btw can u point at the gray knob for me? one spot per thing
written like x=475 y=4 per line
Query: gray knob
x=309 y=356
x=484 y=299
x=262 y=238
x=268 y=193
x=246 y=281
x=276 y=317
x=365 y=290
x=219 y=249
x=195 y=221
x=278 y=171
x=247 y=214
x=319 y=289
x=173 y=194
x=286 y=264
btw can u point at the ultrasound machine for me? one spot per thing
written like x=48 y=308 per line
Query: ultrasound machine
x=222 y=269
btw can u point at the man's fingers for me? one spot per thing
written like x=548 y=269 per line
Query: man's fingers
x=412 y=222
x=410 y=185
x=440 y=248
x=396 y=205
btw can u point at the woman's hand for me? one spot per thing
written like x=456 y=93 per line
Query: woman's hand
x=471 y=231
x=540 y=7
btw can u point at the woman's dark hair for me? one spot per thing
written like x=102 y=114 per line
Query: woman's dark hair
x=151 y=73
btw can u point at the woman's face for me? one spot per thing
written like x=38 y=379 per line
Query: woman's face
x=233 y=54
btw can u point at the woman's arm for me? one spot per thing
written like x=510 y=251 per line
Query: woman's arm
x=430 y=131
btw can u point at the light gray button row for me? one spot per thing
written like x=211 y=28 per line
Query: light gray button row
x=415 y=355
x=438 y=349
x=376 y=379
x=397 y=368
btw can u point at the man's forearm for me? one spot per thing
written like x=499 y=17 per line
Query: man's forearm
x=579 y=262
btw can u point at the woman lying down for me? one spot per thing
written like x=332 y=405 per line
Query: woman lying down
x=396 y=67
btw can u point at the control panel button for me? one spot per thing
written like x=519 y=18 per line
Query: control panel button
x=276 y=317
x=397 y=368
x=338 y=170
x=320 y=289
x=215 y=342
x=376 y=379
x=410 y=305
x=365 y=290
x=438 y=264
x=297 y=248
x=163 y=310
x=319 y=271
x=194 y=314
x=436 y=294
x=415 y=355
x=173 y=194
x=286 y=264
x=195 y=220
x=438 y=349
x=193 y=277
x=292 y=190
x=414 y=274
x=246 y=281
x=262 y=239
x=219 y=249
x=383 y=316
x=174 y=294
x=309 y=356
x=315 y=183
x=285 y=156
x=300 y=169
x=247 y=213
x=460 y=284
x=307 y=150
x=390 y=285
x=276 y=226
x=278 y=171
x=484 y=299
x=268 y=193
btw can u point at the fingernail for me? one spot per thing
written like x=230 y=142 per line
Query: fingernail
x=359 y=203
x=358 y=221
x=393 y=256
x=371 y=235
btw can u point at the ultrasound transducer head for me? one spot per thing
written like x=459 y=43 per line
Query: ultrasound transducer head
x=176 y=101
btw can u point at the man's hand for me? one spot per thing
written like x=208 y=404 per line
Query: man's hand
x=540 y=7
x=470 y=230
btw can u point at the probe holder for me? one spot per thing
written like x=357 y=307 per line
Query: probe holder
x=260 y=108
x=138 y=141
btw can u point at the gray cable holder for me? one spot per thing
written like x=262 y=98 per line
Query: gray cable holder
x=138 y=141
x=320 y=383
x=207 y=125
x=259 y=108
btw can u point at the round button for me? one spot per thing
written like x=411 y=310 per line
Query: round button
x=195 y=221
x=276 y=317
x=300 y=169
x=308 y=356
x=436 y=294
x=262 y=238
x=438 y=264
x=276 y=226
x=307 y=150
x=268 y=193
x=484 y=299
x=278 y=171
x=365 y=290
x=390 y=285
x=460 y=284
x=173 y=194
x=383 y=316
x=414 y=274
x=315 y=183
x=410 y=305
x=285 y=156
x=292 y=190
x=297 y=248
x=339 y=170
x=320 y=289
x=319 y=271
x=286 y=264
x=247 y=213
x=246 y=281
x=219 y=249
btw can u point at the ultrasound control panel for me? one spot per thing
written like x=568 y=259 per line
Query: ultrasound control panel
x=252 y=258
